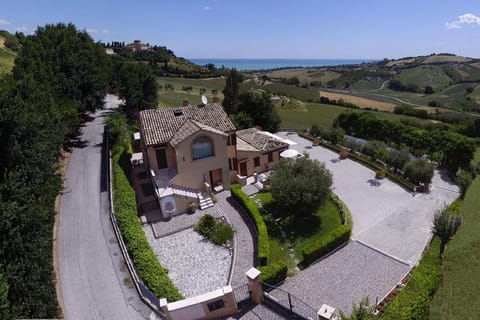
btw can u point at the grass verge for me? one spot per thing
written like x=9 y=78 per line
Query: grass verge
x=458 y=297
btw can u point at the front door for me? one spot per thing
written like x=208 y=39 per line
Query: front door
x=216 y=177
x=161 y=158
x=243 y=169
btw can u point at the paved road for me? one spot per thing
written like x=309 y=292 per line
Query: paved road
x=94 y=281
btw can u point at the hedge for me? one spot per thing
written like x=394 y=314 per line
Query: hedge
x=371 y=164
x=252 y=209
x=146 y=263
x=326 y=244
x=413 y=301
x=274 y=273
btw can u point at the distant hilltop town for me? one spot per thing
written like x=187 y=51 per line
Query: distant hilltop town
x=136 y=46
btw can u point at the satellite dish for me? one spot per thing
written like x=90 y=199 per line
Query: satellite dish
x=204 y=100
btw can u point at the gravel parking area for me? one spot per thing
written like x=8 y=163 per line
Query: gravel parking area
x=385 y=216
x=194 y=264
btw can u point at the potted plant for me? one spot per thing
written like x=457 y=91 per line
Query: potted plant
x=192 y=207
x=344 y=154
x=380 y=174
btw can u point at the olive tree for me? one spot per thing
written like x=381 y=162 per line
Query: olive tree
x=419 y=171
x=300 y=186
x=445 y=225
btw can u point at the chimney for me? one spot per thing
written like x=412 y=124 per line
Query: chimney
x=186 y=103
x=215 y=99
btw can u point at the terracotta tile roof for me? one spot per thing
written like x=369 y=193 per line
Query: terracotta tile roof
x=188 y=128
x=160 y=125
x=259 y=140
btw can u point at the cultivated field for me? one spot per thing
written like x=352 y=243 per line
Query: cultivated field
x=6 y=58
x=361 y=102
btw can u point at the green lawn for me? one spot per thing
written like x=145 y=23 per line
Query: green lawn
x=458 y=297
x=288 y=236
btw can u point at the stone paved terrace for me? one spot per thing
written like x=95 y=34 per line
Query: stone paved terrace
x=182 y=221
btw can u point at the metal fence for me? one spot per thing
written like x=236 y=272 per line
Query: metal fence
x=290 y=303
x=241 y=293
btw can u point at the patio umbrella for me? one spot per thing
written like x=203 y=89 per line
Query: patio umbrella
x=290 y=154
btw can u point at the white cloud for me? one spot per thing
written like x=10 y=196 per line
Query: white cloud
x=105 y=31
x=207 y=8
x=4 y=22
x=467 y=18
x=92 y=31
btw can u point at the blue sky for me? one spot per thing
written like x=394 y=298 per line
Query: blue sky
x=336 y=29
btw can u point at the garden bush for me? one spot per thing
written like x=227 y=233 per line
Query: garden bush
x=252 y=209
x=146 y=263
x=413 y=301
x=326 y=244
x=223 y=234
x=273 y=274
x=206 y=225
x=217 y=231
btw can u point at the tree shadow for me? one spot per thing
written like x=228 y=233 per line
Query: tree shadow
x=374 y=182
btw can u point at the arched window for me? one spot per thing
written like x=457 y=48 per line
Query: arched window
x=202 y=148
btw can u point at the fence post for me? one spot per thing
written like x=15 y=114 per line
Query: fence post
x=256 y=291
x=326 y=313
x=164 y=308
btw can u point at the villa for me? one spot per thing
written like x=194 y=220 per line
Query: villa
x=195 y=150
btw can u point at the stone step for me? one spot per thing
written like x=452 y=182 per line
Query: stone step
x=206 y=203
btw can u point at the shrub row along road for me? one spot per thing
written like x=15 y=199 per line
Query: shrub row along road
x=94 y=281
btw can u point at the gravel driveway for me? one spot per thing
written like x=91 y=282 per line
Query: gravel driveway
x=391 y=227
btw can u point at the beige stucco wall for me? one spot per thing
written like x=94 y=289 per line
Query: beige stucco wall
x=182 y=203
x=197 y=307
x=264 y=164
x=152 y=157
x=191 y=172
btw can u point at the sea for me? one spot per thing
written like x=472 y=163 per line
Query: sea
x=265 y=64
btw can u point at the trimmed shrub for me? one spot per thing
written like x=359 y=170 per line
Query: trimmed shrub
x=326 y=244
x=413 y=301
x=146 y=263
x=274 y=274
x=223 y=234
x=206 y=225
x=252 y=209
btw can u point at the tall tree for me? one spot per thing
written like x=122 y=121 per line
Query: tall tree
x=4 y=305
x=259 y=107
x=68 y=60
x=231 y=91
x=138 y=86
x=445 y=225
